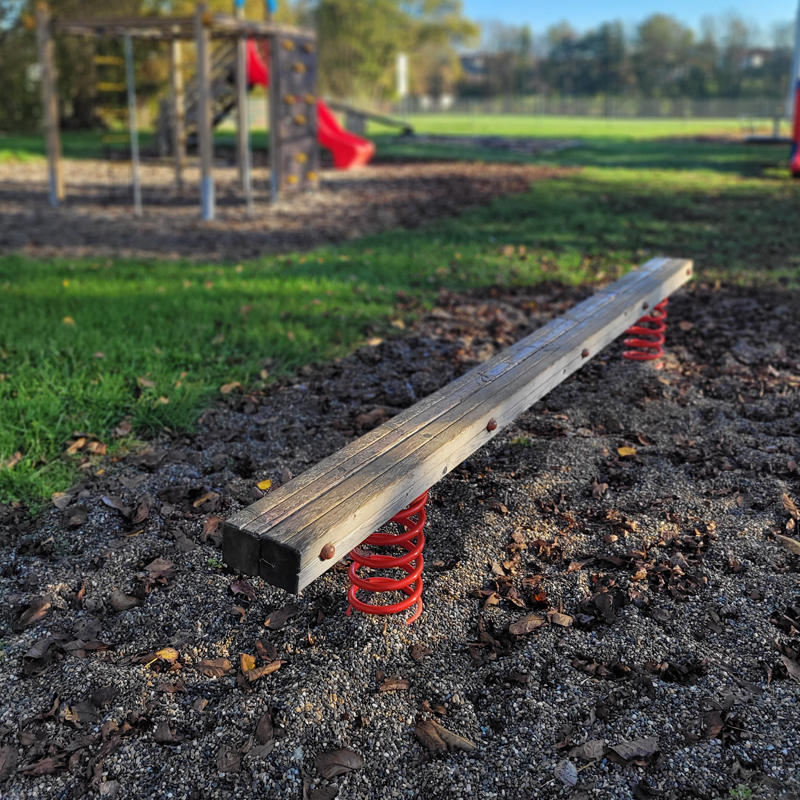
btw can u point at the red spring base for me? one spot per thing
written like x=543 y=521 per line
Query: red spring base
x=412 y=540
x=646 y=337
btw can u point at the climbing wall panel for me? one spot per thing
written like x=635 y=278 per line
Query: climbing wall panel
x=295 y=156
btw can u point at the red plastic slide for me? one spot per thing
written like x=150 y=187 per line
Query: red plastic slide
x=348 y=149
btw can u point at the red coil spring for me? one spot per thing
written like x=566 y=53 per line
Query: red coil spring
x=412 y=540
x=646 y=337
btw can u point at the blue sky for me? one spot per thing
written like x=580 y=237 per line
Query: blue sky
x=582 y=14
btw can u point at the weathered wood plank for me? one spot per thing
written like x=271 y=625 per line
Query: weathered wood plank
x=345 y=497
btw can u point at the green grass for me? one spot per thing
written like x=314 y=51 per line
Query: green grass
x=568 y=127
x=187 y=329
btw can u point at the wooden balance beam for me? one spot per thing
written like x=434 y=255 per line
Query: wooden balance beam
x=304 y=527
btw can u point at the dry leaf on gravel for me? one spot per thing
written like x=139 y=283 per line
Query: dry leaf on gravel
x=557 y=618
x=278 y=618
x=143 y=510
x=169 y=654
x=636 y=751
x=228 y=759
x=566 y=772
x=395 y=685
x=266 y=669
x=247 y=662
x=265 y=729
x=214 y=667
x=163 y=734
x=527 y=624
x=8 y=761
x=426 y=732
x=792 y=545
x=244 y=588
x=430 y=731
x=61 y=499
x=337 y=762
x=123 y=602
x=38 y=608
x=419 y=651
x=116 y=503
x=324 y=793
x=792 y=668
x=589 y=751
x=210 y=531
x=791 y=507
x=47 y=766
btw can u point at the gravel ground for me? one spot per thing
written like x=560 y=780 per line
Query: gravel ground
x=97 y=217
x=634 y=511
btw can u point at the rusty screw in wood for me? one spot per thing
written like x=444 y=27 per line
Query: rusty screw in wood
x=585 y=352
x=326 y=554
x=491 y=425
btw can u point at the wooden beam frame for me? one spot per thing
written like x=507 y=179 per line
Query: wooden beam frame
x=343 y=499
x=219 y=25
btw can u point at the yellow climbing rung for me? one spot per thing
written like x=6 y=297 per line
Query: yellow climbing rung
x=112 y=61
x=107 y=86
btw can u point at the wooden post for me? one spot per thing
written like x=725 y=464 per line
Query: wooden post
x=242 y=115
x=47 y=65
x=273 y=118
x=132 y=126
x=178 y=110
x=290 y=536
x=204 y=122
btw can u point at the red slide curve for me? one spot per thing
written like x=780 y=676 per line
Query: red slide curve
x=348 y=150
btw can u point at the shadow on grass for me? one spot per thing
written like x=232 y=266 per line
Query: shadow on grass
x=613 y=153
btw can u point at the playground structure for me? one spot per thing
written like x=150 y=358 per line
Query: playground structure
x=280 y=57
x=302 y=529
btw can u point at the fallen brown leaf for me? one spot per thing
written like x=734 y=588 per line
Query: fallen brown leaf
x=527 y=624
x=589 y=751
x=278 y=618
x=453 y=740
x=395 y=685
x=228 y=759
x=123 y=602
x=426 y=732
x=266 y=669
x=8 y=761
x=38 y=608
x=792 y=545
x=264 y=729
x=337 y=762
x=214 y=667
x=164 y=734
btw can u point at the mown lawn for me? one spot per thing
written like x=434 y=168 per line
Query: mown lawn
x=85 y=343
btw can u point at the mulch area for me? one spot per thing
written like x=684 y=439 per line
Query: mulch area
x=97 y=217
x=609 y=608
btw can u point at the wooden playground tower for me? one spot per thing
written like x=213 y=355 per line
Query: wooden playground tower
x=294 y=151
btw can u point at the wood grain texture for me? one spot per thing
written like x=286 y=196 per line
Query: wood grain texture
x=348 y=495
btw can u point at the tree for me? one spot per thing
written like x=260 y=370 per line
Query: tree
x=661 y=56
x=359 y=41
